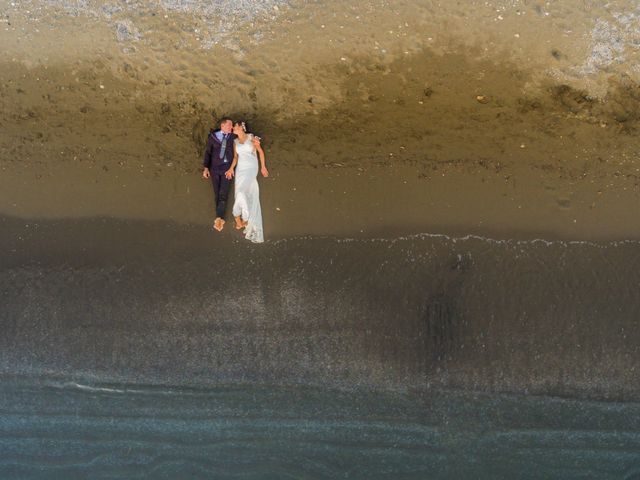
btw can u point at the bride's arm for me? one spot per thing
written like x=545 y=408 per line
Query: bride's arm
x=263 y=162
x=229 y=173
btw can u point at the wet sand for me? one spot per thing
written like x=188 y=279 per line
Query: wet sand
x=154 y=303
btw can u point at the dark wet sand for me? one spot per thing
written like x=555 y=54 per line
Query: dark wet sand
x=160 y=304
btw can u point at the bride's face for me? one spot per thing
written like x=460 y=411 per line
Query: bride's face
x=237 y=129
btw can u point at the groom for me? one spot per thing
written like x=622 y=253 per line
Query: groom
x=218 y=157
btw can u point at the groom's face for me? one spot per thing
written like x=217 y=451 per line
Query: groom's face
x=226 y=127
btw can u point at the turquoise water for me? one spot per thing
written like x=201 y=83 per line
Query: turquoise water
x=53 y=430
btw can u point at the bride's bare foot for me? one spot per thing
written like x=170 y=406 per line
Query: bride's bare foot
x=239 y=224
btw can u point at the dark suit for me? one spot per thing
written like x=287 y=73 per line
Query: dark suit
x=218 y=164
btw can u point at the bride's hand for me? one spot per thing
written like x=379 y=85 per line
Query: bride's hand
x=229 y=174
x=265 y=172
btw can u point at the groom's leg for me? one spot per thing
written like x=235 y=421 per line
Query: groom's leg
x=215 y=181
x=224 y=186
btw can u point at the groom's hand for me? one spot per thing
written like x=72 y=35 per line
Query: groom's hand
x=205 y=173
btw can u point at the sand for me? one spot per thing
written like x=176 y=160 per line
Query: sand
x=503 y=119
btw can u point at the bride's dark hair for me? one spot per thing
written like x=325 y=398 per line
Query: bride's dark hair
x=243 y=124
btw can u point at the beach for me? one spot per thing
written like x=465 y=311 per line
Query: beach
x=448 y=286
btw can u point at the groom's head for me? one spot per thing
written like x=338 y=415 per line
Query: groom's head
x=226 y=124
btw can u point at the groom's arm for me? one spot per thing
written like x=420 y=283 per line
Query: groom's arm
x=206 y=161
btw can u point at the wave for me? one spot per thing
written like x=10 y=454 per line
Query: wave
x=462 y=238
x=100 y=389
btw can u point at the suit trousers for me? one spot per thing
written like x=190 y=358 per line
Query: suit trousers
x=221 y=188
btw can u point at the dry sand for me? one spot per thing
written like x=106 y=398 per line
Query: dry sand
x=378 y=118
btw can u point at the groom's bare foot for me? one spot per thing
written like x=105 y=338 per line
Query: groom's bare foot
x=218 y=224
x=222 y=222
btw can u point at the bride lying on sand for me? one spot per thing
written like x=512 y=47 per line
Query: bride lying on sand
x=246 y=208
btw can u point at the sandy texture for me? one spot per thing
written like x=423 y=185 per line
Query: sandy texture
x=146 y=303
x=497 y=118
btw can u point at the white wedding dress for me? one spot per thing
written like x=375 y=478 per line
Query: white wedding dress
x=247 y=192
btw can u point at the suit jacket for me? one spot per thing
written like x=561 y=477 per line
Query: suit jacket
x=212 y=159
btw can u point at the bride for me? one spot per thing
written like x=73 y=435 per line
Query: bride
x=246 y=208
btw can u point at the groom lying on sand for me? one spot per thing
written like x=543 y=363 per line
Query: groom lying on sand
x=218 y=157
